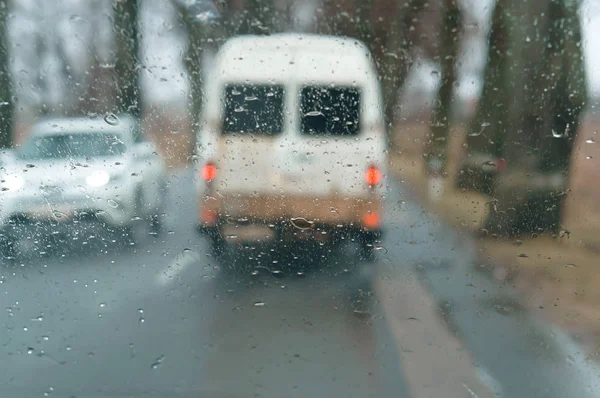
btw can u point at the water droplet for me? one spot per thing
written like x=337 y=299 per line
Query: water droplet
x=102 y=305
x=314 y=113
x=522 y=255
x=68 y=348
x=588 y=157
x=590 y=141
x=30 y=350
x=39 y=318
x=259 y=304
x=25 y=328
x=111 y=119
x=301 y=223
x=112 y=203
x=58 y=214
x=251 y=98
x=45 y=338
x=571 y=265
x=157 y=362
x=30 y=166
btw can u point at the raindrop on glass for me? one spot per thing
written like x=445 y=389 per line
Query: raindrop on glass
x=111 y=119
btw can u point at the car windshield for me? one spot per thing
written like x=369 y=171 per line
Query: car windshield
x=77 y=145
x=300 y=198
x=256 y=109
x=330 y=111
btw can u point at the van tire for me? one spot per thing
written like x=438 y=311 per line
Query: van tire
x=366 y=253
x=367 y=243
x=217 y=245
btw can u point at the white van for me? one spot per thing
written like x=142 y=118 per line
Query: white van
x=292 y=143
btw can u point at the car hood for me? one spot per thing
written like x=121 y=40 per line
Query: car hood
x=65 y=171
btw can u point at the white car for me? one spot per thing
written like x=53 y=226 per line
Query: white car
x=81 y=171
x=292 y=143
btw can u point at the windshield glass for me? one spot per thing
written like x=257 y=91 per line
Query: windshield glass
x=330 y=111
x=312 y=198
x=253 y=109
x=61 y=146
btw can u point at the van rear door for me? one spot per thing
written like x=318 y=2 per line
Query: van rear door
x=253 y=121
x=330 y=152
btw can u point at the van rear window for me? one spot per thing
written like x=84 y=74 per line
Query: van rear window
x=330 y=110
x=253 y=109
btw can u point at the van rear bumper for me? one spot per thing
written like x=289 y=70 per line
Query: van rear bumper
x=283 y=232
x=292 y=218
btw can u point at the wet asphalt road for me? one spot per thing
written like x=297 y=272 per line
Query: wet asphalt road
x=161 y=320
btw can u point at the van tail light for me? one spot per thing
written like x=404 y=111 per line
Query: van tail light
x=371 y=220
x=373 y=175
x=209 y=172
x=208 y=217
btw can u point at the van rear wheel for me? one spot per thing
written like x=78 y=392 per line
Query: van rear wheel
x=217 y=245
x=367 y=245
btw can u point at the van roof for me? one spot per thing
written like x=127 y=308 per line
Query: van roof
x=295 y=60
x=285 y=56
x=294 y=42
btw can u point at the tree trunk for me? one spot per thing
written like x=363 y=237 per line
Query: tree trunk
x=7 y=102
x=126 y=65
x=529 y=196
x=436 y=148
x=396 y=60
x=485 y=133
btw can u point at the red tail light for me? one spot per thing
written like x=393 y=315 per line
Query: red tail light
x=209 y=172
x=371 y=220
x=373 y=175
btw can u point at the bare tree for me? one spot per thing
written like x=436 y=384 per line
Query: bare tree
x=441 y=118
x=486 y=132
x=526 y=142
x=7 y=103
x=127 y=50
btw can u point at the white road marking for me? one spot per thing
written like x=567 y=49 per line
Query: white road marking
x=489 y=381
x=574 y=355
x=177 y=266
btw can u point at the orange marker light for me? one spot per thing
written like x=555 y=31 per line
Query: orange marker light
x=373 y=175
x=209 y=172
x=209 y=217
x=371 y=220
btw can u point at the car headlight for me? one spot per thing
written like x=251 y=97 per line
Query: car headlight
x=12 y=182
x=98 y=179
